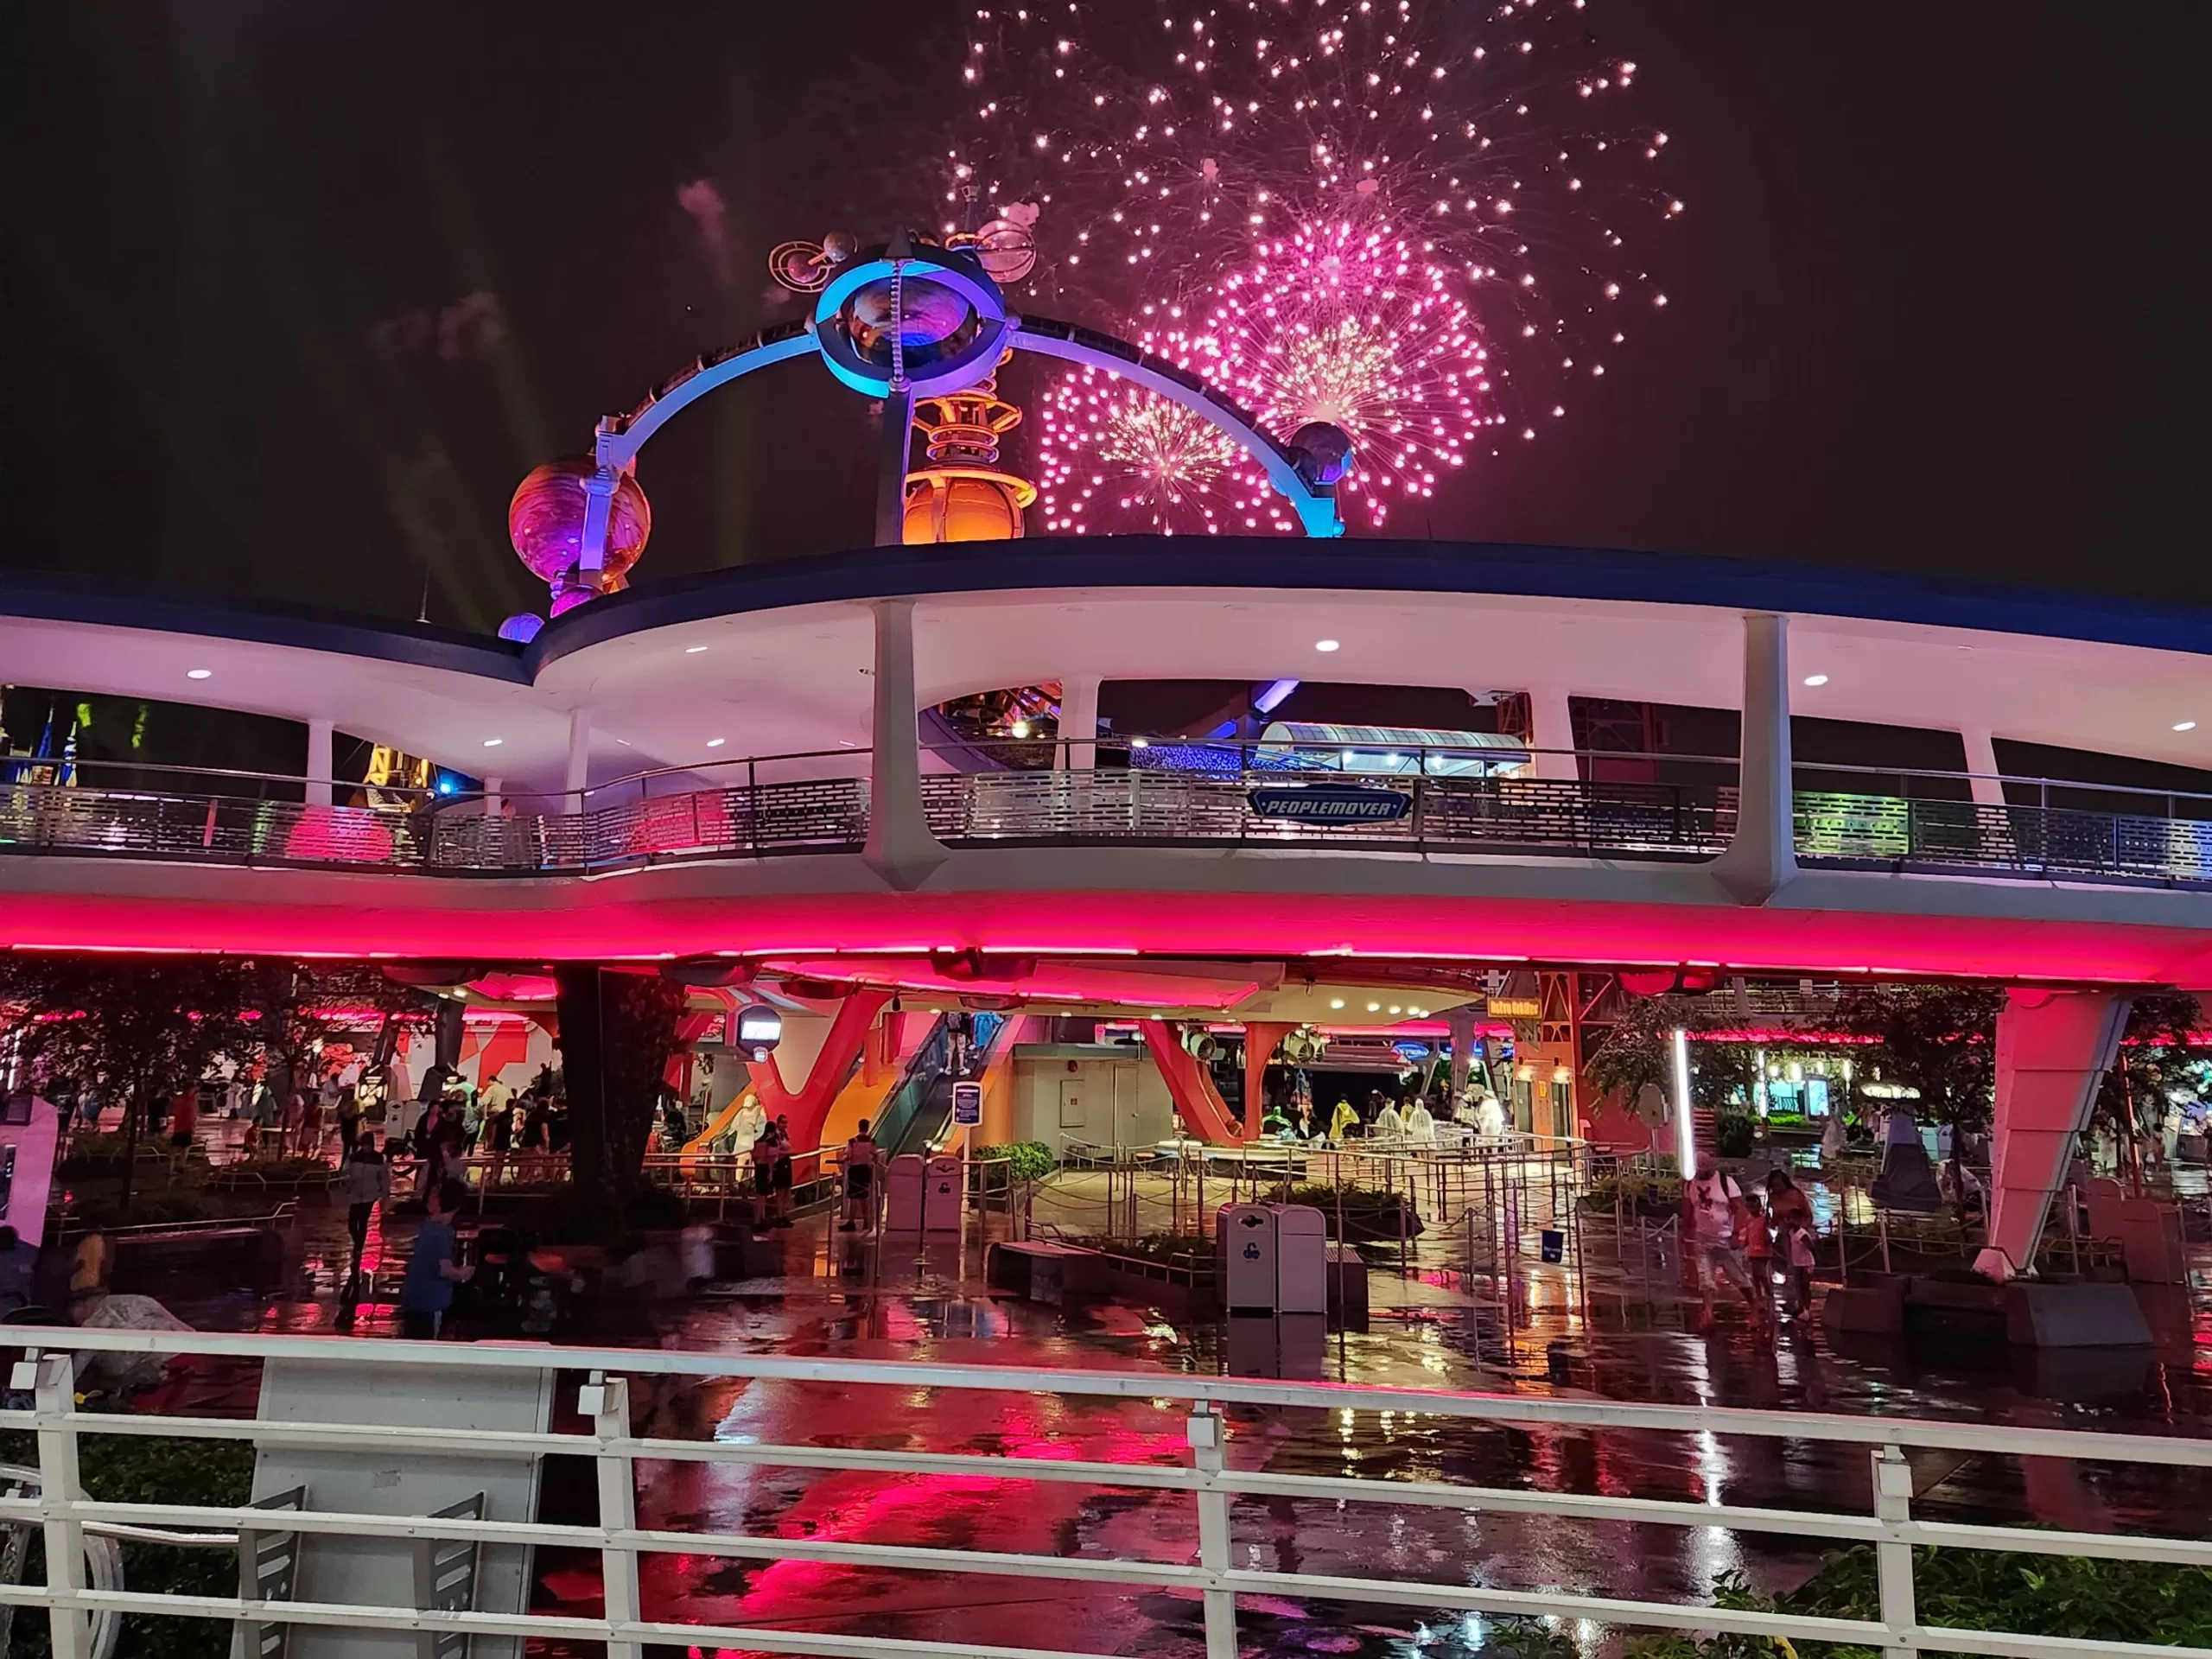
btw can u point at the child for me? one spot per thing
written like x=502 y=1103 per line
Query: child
x=1755 y=1240
x=1798 y=1243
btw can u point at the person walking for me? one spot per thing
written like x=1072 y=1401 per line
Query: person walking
x=784 y=1170
x=764 y=1154
x=1756 y=1242
x=364 y=1183
x=1710 y=1202
x=1798 y=1242
x=426 y=1293
x=349 y=1122
x=860 y=1182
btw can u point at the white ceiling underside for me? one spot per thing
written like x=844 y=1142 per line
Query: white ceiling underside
x=777 y=682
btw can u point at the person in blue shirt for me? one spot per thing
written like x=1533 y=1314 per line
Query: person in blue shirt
x=432 y=1271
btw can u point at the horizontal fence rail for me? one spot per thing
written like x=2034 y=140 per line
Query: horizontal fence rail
x=652 y=820
x=1215 y=1415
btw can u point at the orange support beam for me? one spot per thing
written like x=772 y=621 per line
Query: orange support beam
x=1262 y=1038
x=1205 y=1113
x=809 y=1107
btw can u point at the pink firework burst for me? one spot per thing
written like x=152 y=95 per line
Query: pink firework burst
x=1496 y=140
x=1344 y=323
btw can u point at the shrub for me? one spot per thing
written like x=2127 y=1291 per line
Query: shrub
x=1030 y=1160
x=2070 y=1597
x=120 y=1469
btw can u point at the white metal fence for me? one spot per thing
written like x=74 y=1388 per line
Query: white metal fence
x=1213 y=1486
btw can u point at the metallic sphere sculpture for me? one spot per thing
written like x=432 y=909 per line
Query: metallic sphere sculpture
x=911 y=316
x=911 y=322
x=1323 y=452
x=545 y=522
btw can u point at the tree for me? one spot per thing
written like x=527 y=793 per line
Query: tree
x=618 y=1031
x=146 y=1027
x=1940 y=1039
x=292 y=1003
x=1639 y=1051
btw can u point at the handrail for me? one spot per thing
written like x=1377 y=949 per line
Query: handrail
x=1136 y=806
x=1060 y=748
x=1209 y=1481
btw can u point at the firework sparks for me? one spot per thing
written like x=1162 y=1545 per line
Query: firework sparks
x=1339 y=324
x=1111 y=455
x=1495 y=141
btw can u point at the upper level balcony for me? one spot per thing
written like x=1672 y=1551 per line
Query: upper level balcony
x=604 y=749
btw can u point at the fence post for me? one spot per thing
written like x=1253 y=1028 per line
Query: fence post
x=1205 y=1431
x=606 y=1401
x=54 y=1401
x=1892 y=1562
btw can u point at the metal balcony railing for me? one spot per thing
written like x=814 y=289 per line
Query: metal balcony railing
x=1198 y=1503
x=1680 y=809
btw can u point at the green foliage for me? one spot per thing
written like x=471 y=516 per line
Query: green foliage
x=1940 y=1039
x=1027 y=1161
x=2072 y=1597
x=1734 y=1135
x=120 y=1469
x=1638 y=1051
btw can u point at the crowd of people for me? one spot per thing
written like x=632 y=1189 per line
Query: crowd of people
x=1381 y=1117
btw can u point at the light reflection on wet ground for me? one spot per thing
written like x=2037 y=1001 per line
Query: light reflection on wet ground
x=1548 y=1333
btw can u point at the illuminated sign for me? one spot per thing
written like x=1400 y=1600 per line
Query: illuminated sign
x=1330 y=803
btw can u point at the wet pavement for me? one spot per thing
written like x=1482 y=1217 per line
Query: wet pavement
x=1617 y=1331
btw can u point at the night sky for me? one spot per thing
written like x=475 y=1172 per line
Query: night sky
x=291 y=294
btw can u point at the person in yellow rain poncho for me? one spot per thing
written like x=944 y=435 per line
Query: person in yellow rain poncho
x=1342 y=1121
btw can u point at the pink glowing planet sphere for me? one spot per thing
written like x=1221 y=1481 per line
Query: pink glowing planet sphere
x=545 y=520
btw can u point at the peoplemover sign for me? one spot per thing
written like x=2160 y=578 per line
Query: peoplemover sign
x=1329 y=804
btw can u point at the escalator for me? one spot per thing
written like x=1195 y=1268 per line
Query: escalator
x=919 y=1112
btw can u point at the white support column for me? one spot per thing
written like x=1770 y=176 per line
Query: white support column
x=577 y=776
x=1762 y=859
x=322 y=768
x=491 y=786
x=2053 y=1048
x=1552 y=735
x=1981 y=761
x=1078 y=750
x=900 y=846
x=1459 y=1025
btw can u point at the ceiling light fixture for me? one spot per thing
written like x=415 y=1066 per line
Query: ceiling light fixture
x=716 y=742
x=1336 y=1001
x=2184 y=726
x=1816 y=679
x=1375 y=1008
x=493 y=742
x=199 y=673
x=693 y=650
x=1325 y=645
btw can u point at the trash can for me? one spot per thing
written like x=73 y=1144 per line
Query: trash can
x=944 y=1181
x=1301 y=1260
x=1244 y=1254
x=902 y=1194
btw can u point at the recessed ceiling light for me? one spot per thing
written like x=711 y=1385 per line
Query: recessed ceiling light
x=1816 y=679
x=199 y=673
x=693 y=650
x=1336 y=1001
x=493 y=742
x=2184 y=726
x=1140 y=742
x=1375 y=1008
x=1395 y=1009
x=1325 y=645
x=716 y=742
